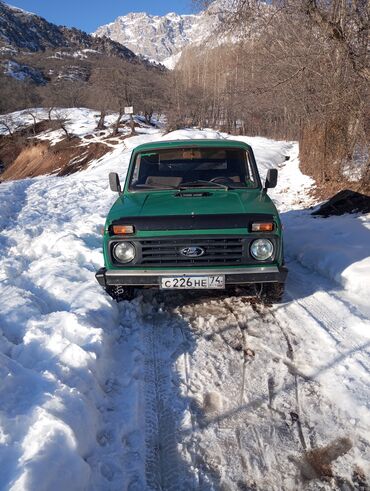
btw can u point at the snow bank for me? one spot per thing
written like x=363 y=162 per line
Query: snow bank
x=336 y=247
x=56 y=325
x=269 y=153
x=51 y=327
x=189 y=133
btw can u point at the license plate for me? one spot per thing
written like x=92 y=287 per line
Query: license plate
x=192 y=282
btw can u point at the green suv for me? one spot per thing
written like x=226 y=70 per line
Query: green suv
x=192 y=215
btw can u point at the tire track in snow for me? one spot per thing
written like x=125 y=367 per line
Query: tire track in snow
x=118 y=461
x=343 y=368
x=11 y=207
x=161 y=452
x=142 y=410
x=251 y=414
x=187 y=380
x=165 y=343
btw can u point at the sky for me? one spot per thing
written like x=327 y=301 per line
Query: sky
x=90 y=14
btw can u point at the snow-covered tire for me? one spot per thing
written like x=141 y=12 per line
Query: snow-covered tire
x=120 y=293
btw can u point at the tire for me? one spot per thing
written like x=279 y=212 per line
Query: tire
x=271 y=292
x=120 y=293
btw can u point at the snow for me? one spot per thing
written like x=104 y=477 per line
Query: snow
x=160 y=38
x=336 y=247
x=22 y=72
x=163 y=38
x=19 y=10
x=80 y=54
x=14 y=70
x=172 y=61
x=175 y=391
x=80 y=122
x=343 y=245
x=8 y=50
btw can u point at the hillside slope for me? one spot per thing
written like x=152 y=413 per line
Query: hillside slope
x=43 y=148
x=20 y=30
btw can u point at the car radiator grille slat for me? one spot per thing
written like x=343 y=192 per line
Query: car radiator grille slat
x=166 y=252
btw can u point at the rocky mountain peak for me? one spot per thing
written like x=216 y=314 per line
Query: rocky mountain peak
x=160 y=38
x=27 y=32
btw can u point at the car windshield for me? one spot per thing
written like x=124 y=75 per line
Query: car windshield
x=183 y=168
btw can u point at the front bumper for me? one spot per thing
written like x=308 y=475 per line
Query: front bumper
x=151 y=278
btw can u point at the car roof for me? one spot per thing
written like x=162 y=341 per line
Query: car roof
x=191 y=143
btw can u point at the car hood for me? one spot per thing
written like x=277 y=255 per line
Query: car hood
x=172 y=203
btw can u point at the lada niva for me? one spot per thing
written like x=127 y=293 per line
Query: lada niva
x=193 y=214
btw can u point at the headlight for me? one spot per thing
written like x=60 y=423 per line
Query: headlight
x=124 y=252
x=262 y=249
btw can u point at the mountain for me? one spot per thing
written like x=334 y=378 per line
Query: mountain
x=21 y=31
x=45 y=64
x=162 y=38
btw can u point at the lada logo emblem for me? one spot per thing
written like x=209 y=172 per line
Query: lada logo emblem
x=192 y=252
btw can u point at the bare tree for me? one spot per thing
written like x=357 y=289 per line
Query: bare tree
x=61 y=116
x=10 y=123
x=121 y=88
x=33 y=113
x=300 y=70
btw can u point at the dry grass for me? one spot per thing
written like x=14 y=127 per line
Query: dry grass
x=317 y=462
x=64 y=158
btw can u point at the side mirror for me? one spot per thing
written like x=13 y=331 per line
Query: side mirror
x=271 y=178
x=114 y=182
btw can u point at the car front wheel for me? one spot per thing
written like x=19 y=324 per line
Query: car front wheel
x=270 y=292
x=120 y=293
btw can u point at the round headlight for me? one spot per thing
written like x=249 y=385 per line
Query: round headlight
x=262 y=249
x=124 y=252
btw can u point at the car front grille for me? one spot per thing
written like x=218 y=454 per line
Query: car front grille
x=167 y=252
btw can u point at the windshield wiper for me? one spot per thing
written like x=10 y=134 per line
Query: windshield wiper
x=153 y=186
x=202 y=183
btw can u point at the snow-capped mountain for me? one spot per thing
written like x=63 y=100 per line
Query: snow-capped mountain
x=24 y=31
x=161 y=38
x=39 y=52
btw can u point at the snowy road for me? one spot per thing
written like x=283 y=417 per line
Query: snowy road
x=229 y=401
x=175 y=391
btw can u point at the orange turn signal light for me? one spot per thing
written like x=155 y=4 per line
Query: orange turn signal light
x=123 y=229
x=262 y=227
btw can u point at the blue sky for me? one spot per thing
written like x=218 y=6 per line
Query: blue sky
x=90 y=14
